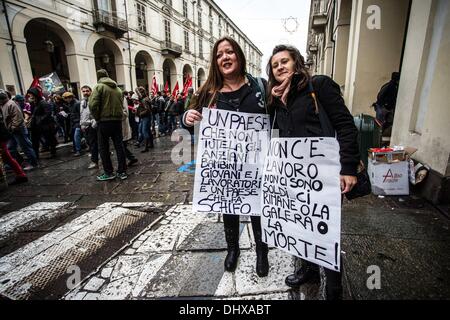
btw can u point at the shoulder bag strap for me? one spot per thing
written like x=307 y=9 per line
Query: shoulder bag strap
x=325 y=122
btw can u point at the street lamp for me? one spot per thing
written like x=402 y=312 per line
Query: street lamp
x=105 y=58
x=49 y=46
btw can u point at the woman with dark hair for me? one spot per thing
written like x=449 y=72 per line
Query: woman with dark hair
x=295 y=102
x=42 y=122
x=230 y=87
x=145 y=115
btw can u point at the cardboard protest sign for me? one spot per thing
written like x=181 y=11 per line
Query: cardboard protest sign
x=51 y=83
x=230 y=156
x=301 y=199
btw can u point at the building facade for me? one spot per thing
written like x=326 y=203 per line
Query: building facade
x=132 y=39
x=360 y=43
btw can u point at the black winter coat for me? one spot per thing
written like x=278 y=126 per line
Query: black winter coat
x=42 y=119
x=74 y=109
x=298 y=118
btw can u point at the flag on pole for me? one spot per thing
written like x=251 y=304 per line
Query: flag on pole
x=175 y=90
x=166 y=87
x=154 y=87
x=36 y=84
x=187 y=85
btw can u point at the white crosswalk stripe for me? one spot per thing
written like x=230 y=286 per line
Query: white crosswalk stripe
x=29 y=217
x=182 y=258
x=179 y=254
x=50 y=255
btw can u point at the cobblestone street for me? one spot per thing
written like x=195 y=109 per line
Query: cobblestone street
x=138 y=239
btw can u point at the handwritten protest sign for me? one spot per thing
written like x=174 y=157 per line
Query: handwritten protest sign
x=301 y=199
x=230 y=156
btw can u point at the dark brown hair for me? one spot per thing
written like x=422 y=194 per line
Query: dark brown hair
x=214 y=82
x=141 y=92
x=299 y=68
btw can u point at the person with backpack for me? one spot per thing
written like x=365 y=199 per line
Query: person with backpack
x=14 y=121
x=179 y=109
x=144 y=112
x=43 y=125
x=73 y=105
x=230 y=87
x=386 y=101
x=294 y=104
x=171 y=114
x=10 y=120
x=162 y=104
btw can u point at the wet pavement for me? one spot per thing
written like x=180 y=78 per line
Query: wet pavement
x=137 y=239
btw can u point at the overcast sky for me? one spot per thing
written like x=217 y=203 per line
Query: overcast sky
x=263 y=21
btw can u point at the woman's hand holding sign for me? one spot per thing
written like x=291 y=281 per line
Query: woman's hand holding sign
x=193 y=117
x=347 y=183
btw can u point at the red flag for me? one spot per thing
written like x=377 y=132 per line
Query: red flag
x=175 y=91
x=166 y=87
x=184 y=84
x=36 y=84
x=187 y=85
x=154 y=86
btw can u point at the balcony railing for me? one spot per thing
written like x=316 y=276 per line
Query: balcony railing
x=319 y=22
x=168 y=47
x=319 y=16
x=107 y=21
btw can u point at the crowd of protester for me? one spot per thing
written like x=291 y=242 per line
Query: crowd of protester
x=34 y=124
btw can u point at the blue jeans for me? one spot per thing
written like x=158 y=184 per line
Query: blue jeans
x=145 y=128
x=172 y=122
x=76 y=137
x=22 y=139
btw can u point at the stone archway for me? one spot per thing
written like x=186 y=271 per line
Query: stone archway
x=187 y=70
x=145 y=69
x=47 y=45
x=108 y=56
x=201 y=77
x=169 y=74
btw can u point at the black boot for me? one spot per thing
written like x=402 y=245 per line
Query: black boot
x=262 y=261
x=307 y=272
x=333 y=285
x=232 y=238
x=262 y=250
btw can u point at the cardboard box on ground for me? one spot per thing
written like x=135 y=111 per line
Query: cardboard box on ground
x=389 y=170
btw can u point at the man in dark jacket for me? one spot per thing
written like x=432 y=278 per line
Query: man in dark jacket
x=386 y=101
x=106 y=106
x=42 y=122
x=73 y=105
